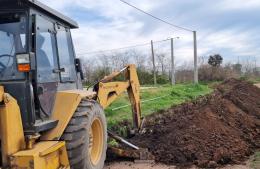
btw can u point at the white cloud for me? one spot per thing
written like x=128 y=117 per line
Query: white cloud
x=128 y=27
x=239 y=4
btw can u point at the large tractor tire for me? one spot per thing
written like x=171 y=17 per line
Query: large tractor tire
x=86 y=136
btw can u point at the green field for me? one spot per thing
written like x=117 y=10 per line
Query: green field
x=251 y=79
x=255 y=161
x=166 y=95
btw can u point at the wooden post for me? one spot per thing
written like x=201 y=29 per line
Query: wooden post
x=195 y=58
x=154 y=68
x=172 y=64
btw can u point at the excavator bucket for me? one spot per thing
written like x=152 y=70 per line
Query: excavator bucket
x=131 y=151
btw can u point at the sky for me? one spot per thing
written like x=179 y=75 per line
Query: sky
x=227 y=27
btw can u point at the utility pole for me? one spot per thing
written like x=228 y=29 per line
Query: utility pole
x=173 y=66
x=195 y=58
x=154 y=69
x=255 y=65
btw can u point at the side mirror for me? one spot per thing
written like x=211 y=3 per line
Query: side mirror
x=79 y=68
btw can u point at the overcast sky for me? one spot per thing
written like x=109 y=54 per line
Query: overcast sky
x=228 y=27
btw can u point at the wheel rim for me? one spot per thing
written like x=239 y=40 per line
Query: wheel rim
x=96 y=141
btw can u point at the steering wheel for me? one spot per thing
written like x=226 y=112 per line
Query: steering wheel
x=1 y=63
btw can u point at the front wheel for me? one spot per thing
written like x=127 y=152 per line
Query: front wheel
x=86 y=136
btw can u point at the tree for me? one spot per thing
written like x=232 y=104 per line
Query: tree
x=215 y=60
x=237 y=68
x=161 y=61
x=138 y=58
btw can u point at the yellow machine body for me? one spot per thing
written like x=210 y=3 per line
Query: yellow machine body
x=11 y=128
x=45 y=151
x=44 y=155
x=66 y=103
x=34 y=113
x=15 y=154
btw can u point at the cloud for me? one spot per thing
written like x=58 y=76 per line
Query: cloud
x=228 y=27
x=239 y=4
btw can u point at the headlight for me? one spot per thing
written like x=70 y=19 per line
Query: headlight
x=23 y=58
x=23 y=62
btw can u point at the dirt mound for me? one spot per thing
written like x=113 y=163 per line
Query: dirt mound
x=221 y=128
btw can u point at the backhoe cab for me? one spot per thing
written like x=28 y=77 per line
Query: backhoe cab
x=47 y=120
x=37 y=59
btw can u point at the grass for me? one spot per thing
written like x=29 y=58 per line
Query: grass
x=255 y=161
x=169 y=96
x=256 y=80
x=252 y=80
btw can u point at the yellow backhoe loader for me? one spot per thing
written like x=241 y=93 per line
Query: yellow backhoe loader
x=47 y=119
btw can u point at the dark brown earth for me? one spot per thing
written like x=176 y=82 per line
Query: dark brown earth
x=221 y=128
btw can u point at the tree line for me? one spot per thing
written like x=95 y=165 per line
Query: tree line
x=211 y=68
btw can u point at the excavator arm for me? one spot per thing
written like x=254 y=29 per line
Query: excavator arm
x=108 y=90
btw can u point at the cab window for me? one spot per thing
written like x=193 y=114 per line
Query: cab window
x=12 y=41
x=46 y=52
x=66 y=55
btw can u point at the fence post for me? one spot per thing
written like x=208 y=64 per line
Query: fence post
x=173 y=66
x=195 y=58
x=154 y=69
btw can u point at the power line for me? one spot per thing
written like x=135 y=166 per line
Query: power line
x=164 y=21
x=155 y=17
x=179 y=27
x=126 y=47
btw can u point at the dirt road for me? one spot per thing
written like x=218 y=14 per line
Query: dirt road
x=258 y=85
x=132 y=165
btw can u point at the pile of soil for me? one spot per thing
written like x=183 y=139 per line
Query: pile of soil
x=221 y=128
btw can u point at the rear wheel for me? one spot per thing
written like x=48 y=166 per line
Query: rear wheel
x=86 y=136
